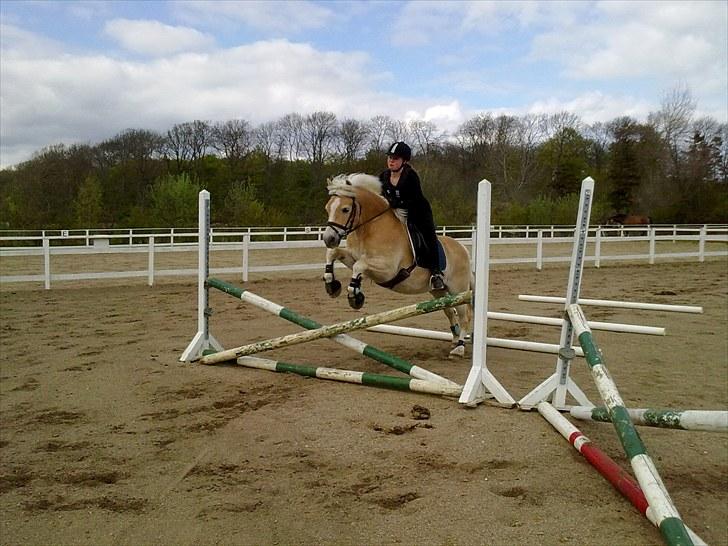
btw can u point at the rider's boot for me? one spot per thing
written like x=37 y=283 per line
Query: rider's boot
x=437 y=282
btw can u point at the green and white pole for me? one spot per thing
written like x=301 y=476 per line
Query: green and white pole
x=703 y=420
x=349 y=376
x=360 y=323
x=343 y=339
x=668 y=519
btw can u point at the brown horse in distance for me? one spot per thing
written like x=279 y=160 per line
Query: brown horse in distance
x=629 y=220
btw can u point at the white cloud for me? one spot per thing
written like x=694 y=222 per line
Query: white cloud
x=52 y=97
x=267 y=15
x=154 y=38
x=592 y=107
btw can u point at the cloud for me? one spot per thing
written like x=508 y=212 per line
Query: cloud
x=50 y=96
x=283 y=17
x=592 y=106
x=154 y=38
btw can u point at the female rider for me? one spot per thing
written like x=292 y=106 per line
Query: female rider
x=401 y=187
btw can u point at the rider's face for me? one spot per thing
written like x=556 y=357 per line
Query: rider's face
x=394 y=163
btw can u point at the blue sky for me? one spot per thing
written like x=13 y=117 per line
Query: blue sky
x=82 y=71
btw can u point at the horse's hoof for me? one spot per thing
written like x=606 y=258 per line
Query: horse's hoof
x=333 y=288
x=356 y=301
x=458 y=351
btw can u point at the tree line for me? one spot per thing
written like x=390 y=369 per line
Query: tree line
x=672 y=167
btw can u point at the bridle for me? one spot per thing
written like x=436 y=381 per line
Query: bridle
x=349 y=227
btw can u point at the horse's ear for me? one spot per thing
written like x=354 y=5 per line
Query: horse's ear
x=328 y=180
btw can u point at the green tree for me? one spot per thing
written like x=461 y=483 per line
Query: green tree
x=173 y=201
x=88 y=206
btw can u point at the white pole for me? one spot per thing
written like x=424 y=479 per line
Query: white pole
x=47 y=261
x=539 y=250
x=615 y=303
x=701 y=244
x=150 y=266
x=598 y=248
x=652 y=246
x=246 y=256
x=532 y=346
x=595 y=325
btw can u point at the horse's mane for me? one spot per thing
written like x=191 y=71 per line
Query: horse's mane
x=346 y=184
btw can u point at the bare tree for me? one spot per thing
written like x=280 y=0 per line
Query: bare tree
x=378 y=131
x=233 y=139
x=264 y=137
x=318 y=132
x=398 y=130
x=352 y=138
x=425 y=136
x=290 y=135
x=673 y=119
x=177 y=143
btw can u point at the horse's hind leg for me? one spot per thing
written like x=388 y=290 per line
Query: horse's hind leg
x=458 y=332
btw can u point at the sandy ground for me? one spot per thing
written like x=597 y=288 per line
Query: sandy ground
x=107 y=439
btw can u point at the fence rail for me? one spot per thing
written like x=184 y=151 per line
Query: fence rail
x=47 y=244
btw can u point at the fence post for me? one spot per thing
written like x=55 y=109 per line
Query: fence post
x=150 y=267
x=674 y=233
x=598 y=248
x=285 y=234
x=539 y=250
x=47 y=261
x=246 y=256
x=652 y=246
x=701 y=247
x=88 y=243
x=131 y=237
x=171 y=237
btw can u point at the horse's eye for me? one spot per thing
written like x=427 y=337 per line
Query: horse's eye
x=345 y=209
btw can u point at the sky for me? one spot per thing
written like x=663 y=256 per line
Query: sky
x=83 y=71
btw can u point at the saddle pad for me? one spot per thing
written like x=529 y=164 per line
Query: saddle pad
x=418 y=245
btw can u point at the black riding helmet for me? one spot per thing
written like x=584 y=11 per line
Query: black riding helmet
x=400 y=149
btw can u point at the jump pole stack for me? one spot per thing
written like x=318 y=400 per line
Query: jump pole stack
x=342 y=339
x=339 y=328
x=668 y=519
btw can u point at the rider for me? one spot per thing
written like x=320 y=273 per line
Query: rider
x=401 y=187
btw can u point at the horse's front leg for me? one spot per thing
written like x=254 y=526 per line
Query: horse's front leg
x=333 y=287
x=355 y=294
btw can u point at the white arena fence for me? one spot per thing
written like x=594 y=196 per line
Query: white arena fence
x=522 y=245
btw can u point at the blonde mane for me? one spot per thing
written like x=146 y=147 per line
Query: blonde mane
x=347 y=184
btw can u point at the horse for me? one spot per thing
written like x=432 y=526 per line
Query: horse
x=629 y=220
x=378 y=247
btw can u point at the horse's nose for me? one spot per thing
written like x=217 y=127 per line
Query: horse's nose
x=331 y=238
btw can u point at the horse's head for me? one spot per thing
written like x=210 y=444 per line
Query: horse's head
x=352 y=203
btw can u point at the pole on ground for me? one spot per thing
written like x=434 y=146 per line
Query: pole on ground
x=668 y=519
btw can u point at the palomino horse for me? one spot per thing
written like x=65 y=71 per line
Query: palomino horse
x=378 y=247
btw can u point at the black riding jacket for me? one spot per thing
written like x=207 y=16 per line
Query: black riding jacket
x=407 y=194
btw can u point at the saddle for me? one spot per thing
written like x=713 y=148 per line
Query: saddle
x=419 y=248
